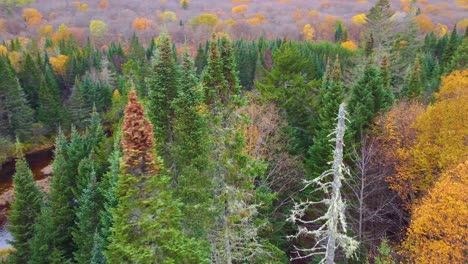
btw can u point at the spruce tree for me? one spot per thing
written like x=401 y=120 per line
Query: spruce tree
x=23 y=211
x=450 y=49
x=387 y=98
x=365 y=102
x=30 y=78
x=79 y=111
x=87 y=220
x=50 y=111
x=330 y=97
x=162 y=88
x=200 y=60
x=413 y=87
x=17 y=116
x=460 y=58
x=146 y=220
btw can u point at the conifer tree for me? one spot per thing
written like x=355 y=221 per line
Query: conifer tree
x=50 y=111
x=146 y=220
x=200 y=60
x=30 y=78
x=450 y=49
x=17 y=116
x=387 y=97
x=413 y=87
x=162 y=89
x=330 y=97
x=87 y=217
x=460 y=58
x=23 y=211
x=79 y=112
x=365 y=102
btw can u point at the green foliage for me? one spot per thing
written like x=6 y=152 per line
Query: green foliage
x=87 y=219
x=413 y=87
x=50 y=111
x=17 y=116
x=331 y=95
x=162 y=86
x=385 y=253
x=29 y=78
x=23 y=211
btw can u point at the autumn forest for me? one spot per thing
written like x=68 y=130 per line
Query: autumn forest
x=234 y=131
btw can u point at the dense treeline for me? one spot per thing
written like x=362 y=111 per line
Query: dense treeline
x=224 y=155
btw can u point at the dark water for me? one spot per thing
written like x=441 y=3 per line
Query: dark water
x=37 y=161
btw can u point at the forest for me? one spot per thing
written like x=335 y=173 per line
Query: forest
x=236 y=132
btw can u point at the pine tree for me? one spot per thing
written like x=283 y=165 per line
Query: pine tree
x=87 y=217
x=387 y=97
x=413 y=87
x=23 y=211
x=79 y=111
x=460 y=58
x=50 y=111
x=450 y=49
x=200 y=60
x=146 y=220
x=30 y=78
x=162 y=89
x=330 y=97
x=365 y=102
x=17 y=116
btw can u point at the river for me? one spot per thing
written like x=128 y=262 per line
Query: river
x=37 y=160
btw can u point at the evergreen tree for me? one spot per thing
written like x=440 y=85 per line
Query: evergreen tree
x=387 y=98
x=365 y=102
x=30 y=78
x=460 y=58
x=146 y=220
x=162 y=89
x=79 y=111
x=413 y=87
x=16 y=115
x=87 y=217
x=450 y=49
x=200 y=60
x=330 y=97
x=190 y=151
x=23 y=211
x=50 y=110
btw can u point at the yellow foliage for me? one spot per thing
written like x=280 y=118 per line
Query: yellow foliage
x=308 y=32
x=59 y=64
x=240 y=9
x=116 y=95
x=98 y=29
x=141 y=23
x=360 y=19
x=45 y=31
x=15 y=59
x=240 y=1
x=167 y=16
x=438 y=232
x=350 y=45
x=313 y=13
x=229 y=21
x=440 y=30
x=207 y=19
x=184 y=3
x=32 y=16
x=440 y=141
x=431 y=9
x=361 y=1
x=424 y=22
x=256 y=20
x=2 y=25
x=463 y=23
x=3 y=50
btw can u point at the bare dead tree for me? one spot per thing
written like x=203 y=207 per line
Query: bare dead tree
x=332 y=233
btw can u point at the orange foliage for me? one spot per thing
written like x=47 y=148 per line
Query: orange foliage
x=297 y=15
x=62 y=33
x=2 y=25
x=395 y=133
x=103 y=4
x=141 y=23
x=424 y=22
x=430 y=9
x=256 y=20
x=59 y=64
x=32 y=16
x=240 y=9
x=405 y=5
x=240 y=1
x=440 y=139
x=438 y=232
x=462 y=3
x=440 y=30
x=350 y=45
